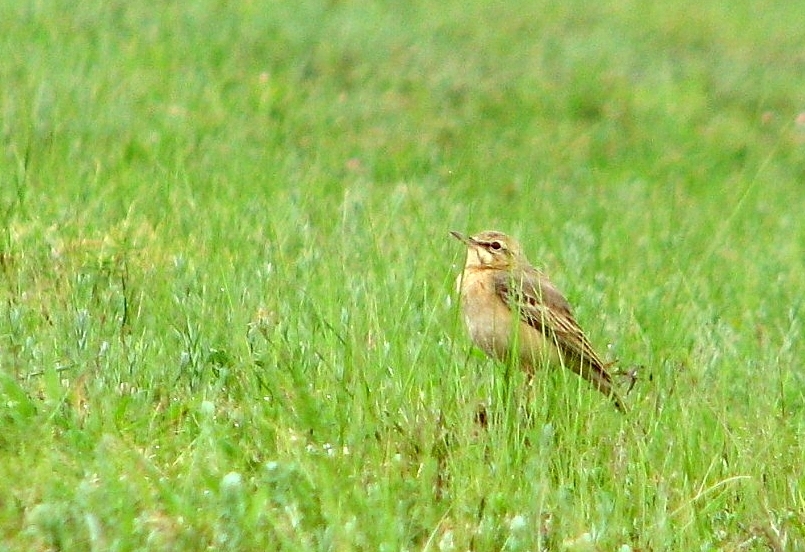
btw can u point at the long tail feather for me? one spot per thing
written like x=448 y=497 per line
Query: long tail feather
x=599 y=378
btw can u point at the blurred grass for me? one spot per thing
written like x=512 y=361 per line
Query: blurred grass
x=227 y=315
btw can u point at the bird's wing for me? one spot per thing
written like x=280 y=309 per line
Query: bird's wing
x=544 y=308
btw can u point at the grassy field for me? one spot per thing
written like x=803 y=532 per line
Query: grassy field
x=227 y=316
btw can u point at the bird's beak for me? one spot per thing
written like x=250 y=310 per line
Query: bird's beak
x=466 y=240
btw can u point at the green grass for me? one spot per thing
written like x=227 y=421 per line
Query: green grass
x=227 y=317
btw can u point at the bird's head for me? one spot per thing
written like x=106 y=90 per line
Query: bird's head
x=491 y=249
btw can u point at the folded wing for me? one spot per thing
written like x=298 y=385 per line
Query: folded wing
x=545 y=309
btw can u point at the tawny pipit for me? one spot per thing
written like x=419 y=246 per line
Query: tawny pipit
x=509 y=306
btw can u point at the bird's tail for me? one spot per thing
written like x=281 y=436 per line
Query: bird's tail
x=599 y=377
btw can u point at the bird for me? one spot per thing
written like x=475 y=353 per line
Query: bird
x=511 y=308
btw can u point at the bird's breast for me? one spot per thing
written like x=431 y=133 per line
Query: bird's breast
x=493 y=326
x=487 y=318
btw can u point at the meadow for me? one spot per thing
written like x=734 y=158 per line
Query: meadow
x=227 y=308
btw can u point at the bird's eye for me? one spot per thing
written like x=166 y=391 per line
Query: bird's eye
x=495 y=245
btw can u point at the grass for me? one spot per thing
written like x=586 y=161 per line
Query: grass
x=228 y=318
